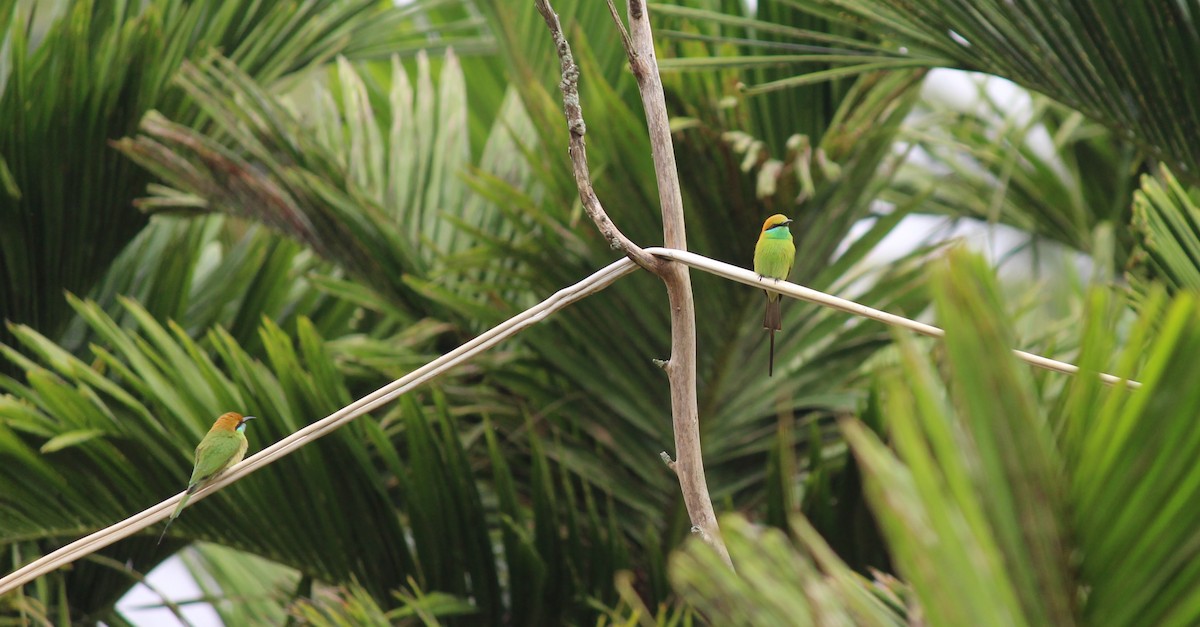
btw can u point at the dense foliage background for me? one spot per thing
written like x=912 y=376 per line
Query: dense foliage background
x=278 y=207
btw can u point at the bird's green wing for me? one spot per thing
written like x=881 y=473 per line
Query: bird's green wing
x=214 y=453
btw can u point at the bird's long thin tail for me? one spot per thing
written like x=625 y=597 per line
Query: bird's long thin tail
x=772 y=317
x=175 y=514
x=772 y=321
x=771 y=359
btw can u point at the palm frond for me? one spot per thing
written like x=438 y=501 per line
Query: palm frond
x=1166 y=221
x=352 y=606
x=779 y=583
x=242 y=587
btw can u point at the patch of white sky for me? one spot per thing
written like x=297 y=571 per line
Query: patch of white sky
x=1004 y=246
x=143 y=606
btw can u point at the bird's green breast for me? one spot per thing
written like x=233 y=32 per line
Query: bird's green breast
x=773 y=257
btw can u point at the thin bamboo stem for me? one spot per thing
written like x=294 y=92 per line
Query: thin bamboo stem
x=561 y=299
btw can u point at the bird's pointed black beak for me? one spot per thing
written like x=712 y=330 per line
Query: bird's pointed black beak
x=248 y=418
x=786 y=222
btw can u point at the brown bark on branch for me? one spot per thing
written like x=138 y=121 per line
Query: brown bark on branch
x=689 y=463
x=681 y=368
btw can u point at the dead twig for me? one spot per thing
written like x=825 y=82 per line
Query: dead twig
x=569 y=85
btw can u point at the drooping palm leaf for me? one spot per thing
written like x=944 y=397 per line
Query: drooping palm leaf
x=242 y=588
x=370 y=201
x=209 y=271
x=778 y=583
x=354 y=607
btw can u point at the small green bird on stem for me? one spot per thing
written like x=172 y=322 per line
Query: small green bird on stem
x=223 y=446
x=773 y=258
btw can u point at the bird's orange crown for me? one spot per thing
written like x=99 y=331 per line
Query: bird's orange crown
x=228 y=421
x=776 y=220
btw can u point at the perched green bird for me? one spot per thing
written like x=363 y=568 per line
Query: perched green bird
x=773 y=257
x=223 y=446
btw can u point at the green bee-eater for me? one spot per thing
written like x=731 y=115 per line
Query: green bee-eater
x=223 y=446
x=773 y=257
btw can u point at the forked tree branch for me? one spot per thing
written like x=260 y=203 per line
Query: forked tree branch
x=569 y=85
x=681 y=367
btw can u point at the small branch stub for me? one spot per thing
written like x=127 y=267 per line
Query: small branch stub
x=625 y=40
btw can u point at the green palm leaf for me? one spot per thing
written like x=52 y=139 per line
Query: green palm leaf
x=1046 y=170
x=1025 y=512
x=1166 y=221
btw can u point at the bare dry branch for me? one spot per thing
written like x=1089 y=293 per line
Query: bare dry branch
x=681 y=369
x=569 y=85
x=616 y=18
x=666 y=458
